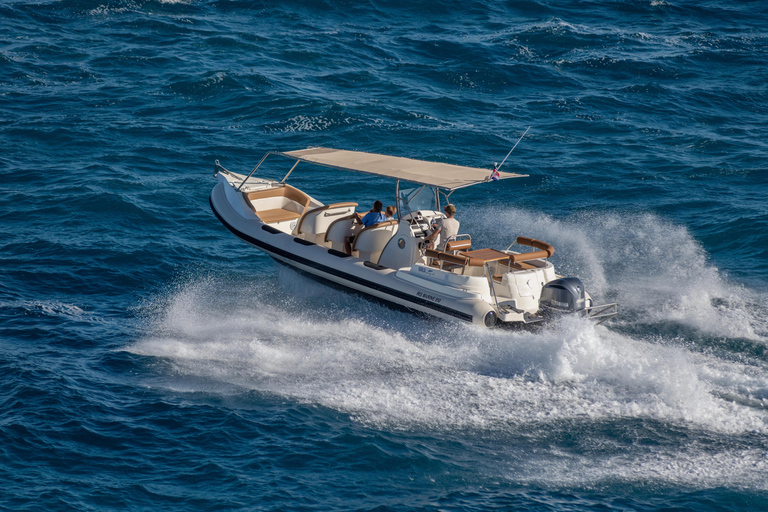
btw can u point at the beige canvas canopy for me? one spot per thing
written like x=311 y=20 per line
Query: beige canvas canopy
x=445 y=176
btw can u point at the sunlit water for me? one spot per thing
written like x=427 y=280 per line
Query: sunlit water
x=150 y=360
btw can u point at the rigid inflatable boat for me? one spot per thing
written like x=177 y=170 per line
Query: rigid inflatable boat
x=393 y=260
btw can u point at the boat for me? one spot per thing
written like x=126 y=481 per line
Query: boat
x=393 y=260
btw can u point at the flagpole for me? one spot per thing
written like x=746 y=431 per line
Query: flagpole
x=513 y=148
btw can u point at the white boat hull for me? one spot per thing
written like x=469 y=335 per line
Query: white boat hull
x=389 y=261
x=346 y=271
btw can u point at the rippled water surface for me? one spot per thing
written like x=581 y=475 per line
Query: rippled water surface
x=152 y=361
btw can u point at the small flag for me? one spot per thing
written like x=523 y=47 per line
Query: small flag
x=495 y=174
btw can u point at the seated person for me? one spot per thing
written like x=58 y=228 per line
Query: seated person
x=389 y=213
x=445 y=228
x=372 y=217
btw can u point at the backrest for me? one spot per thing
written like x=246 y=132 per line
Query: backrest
x=537 y=244
x=459 y=245
x=297 y=195
x=339 y=229
x=373 y=238
x=318 y=220
x=545 y=250
x=453 y=259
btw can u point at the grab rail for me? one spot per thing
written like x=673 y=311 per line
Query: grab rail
x=606 y=312
x=489 y=275
x=254 y=170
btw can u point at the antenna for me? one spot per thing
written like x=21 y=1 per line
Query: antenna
x=513 y=148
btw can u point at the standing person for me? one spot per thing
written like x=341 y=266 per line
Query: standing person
x=390 y=212
x=372 y=217
x=445 y=228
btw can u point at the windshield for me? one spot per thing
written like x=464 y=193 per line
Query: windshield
x=412 y=198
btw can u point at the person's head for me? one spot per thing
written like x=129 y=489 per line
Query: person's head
x=450 y=210
x=377 y=206
x=390 y=211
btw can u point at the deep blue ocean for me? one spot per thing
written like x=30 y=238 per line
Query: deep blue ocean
x=149 y=360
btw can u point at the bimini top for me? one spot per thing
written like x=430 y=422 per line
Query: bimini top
x=445 y=176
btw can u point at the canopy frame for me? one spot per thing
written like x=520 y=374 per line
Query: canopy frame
x=448 y=177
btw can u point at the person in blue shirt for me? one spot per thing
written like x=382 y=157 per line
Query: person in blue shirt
x=372 y=217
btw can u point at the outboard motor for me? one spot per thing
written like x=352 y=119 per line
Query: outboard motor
x=564 y=295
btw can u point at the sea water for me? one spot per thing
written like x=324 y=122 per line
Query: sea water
x=149 y=360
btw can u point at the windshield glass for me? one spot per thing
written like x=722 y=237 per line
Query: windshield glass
x=412 y=198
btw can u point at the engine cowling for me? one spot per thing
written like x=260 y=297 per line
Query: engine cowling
x=565 y=295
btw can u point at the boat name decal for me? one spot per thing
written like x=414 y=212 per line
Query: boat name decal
x=429 y=297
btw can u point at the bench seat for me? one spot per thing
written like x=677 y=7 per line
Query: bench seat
x=277 y=204
x=277 y=215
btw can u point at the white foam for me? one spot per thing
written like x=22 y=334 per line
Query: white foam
x=302 y=123
x=106 y=10
x=688 y=466
x=655 y=269
x=449 y=376
x=52 y=308
x=395 y=371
